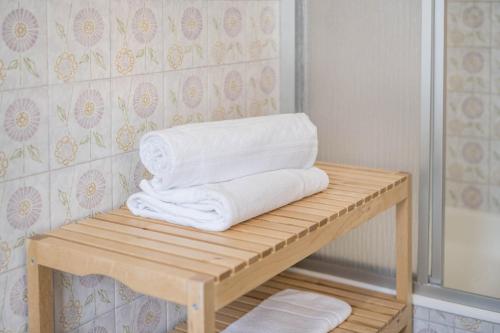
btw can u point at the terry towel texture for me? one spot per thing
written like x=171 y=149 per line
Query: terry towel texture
x=217 y=151
x=293 y=311
x=218 y=206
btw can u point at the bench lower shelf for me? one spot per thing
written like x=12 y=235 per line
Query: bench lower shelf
x=371 y=311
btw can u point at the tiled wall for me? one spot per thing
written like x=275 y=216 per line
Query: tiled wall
x=435 y=321
x=473 y=105
x=80 y=82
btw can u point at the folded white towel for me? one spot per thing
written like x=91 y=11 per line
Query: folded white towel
x=218 y=206
x=217 y=151
x=293 y=311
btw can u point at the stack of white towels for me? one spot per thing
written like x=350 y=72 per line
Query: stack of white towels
x=214 y=175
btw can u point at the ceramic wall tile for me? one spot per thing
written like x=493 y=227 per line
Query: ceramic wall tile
x=468 y=115
x=495 y=199
x=80 y=299
x=101 y=324
x=24 y=136
x=262 y=88
x=23 y=51
x=263 y=29
x=79 y=40
x=80 y=82
x=176 y=313
x=495 y=24
x=24 y=211
x=80 y=191
x=421 y=313
x=186 y=96
x=472 y=325
x=495 y=163
x=186 y=34
x=136 y=37
x=80 y=123
x=145 y=314
x=124 y=295
x=469 y=24
x=471 y=196
x=137 y=104
x=468 y=69
x=13 y=303
x=128 y=172
x=467 y=160
x=227 y=92
x=227 y=31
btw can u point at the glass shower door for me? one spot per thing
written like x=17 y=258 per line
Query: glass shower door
x=471 y=209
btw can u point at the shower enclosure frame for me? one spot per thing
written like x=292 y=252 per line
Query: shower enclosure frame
x=431 y=197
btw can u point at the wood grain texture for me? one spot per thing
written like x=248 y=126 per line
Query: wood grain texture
x=362 y=91
x=371 y=311
x=165 y=260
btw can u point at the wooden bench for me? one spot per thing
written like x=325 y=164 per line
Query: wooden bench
x=232 y=271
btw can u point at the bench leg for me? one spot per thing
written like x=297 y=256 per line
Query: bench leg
x=403 y=256
x=40 y=296
x=200 y=307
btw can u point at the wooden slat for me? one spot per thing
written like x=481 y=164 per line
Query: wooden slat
x=288 y=220
x=215 y=238
x=299 y=231
x=230 y=233
x=248 y=256
x=360 y=320
x=212 y=269
x=232 y=263
x=217 y=271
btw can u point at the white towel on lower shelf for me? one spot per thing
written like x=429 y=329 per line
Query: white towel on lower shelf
x=218 y=206
x=293 y=311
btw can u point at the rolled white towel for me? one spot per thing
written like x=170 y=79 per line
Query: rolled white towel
x=212 y=152
x=293 y=311
x=216 y=207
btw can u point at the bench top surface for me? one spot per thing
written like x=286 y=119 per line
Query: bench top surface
x=119 y=239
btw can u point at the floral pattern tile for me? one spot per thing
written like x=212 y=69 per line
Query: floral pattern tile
x=263 y=29
x=145 y=314
x=473 y=103
x=263 y=86
x=14 y=301
x=80 y=299
x=186 y=96
x=227 y=93
x=136 y=37
x=467 y=160
x=124 y=295
x=469 y=24
x=468 y=70
x=227 y=31
x=137 y=104
x=24 y=136
x=80 y=83
x=495 y=117
x=23 y=50
x=471 y=196
x=24 y=211
x=101 y=324
x=495 y=24
x=128 y=171
x=79 y=191
x=79 y=39
x=468 y=115
x=185 y=34
x=176 y=313
x=80 y=123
